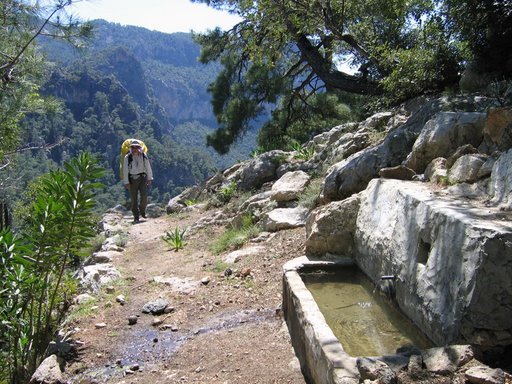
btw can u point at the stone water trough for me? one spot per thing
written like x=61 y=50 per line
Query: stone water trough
x=451 y=265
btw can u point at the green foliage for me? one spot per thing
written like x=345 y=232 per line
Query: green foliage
x=484 y=29
x=296 y=122
x=288 y=53
x=236 y=237
x=96 y=243
x=227 y=192
x=190 y=202
x=220 y=266
x=309 y=198
x=121 y=239
x=175 y=239
x=33 y=269
x=22 y=66
x=302 y=152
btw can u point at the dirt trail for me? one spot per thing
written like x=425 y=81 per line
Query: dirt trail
x=220 y=330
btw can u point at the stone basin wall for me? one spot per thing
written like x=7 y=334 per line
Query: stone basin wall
x=452 y=260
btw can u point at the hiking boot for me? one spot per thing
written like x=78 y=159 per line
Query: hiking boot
x=143 y=215
x=135 y=221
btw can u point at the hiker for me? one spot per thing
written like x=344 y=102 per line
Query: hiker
x=137 y=177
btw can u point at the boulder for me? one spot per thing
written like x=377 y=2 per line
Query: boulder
x=498 y=129
x=331 y=228
x=290 y=186
x=443 y=134
x=353 y=174
x=446 y=360
x=258 y=171
x=49 y=372
x=284 y=218
x=93 y=277
x=485 y=375
x=466 y=169
x=501 y=181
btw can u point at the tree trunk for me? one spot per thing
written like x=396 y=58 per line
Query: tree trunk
x=333 y=78
x=4 y=216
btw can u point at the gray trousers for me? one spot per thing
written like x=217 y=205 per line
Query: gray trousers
x=138 y=185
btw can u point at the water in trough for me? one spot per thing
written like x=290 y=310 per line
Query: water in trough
x=365 y=322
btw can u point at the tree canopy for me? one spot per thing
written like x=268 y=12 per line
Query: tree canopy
x=288 y=52
x=21 y=65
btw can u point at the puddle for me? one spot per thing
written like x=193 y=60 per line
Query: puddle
x=145 y=347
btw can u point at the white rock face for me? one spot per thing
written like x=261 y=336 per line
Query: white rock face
x=501 y=181
x=453 y=260
x=443 y=134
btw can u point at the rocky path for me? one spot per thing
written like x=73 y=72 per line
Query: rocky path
x=214 y=328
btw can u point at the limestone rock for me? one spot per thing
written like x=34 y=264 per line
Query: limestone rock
x=399 y=172
x=284 y=218
x=436 y=170
x=154 y=210
x=485 y=375
x=93 y=277
x=289 y=186
x=48 y=372
x=466 y=169
x=104 y=256
x=443 y=134
x=444 y=251
x=501 y=181
x=183 y=285
x=446 y=360
x=236 y=256
x=373 y=369
x=498 y=129
x=331 y=228
x=352 y=175
x=259 y=170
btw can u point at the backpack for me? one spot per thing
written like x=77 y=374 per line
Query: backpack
x=125 y=149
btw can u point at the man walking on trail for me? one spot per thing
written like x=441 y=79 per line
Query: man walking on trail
x=137 y=177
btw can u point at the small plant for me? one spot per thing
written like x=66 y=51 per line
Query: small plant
x=227 y=192
x=236 y=237
x=302 y=153
x=96 y=243
x=220 y=266
x=258 y=151
x=308 y=198
x=175 y=239
x=121 y=239
x=190 y=202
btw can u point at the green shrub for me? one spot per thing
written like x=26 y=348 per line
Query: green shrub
x=121 y=239
x=235 y=237
x=301 y=152
x=35 y=289
x=227 y=192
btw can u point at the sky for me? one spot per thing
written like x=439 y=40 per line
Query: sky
x=161 y=15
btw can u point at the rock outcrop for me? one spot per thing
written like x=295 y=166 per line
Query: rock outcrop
x=429 y=204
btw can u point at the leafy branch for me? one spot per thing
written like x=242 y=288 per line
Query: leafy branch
x=34 y=265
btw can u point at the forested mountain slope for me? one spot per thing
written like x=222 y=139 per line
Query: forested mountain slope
x=130 y=82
